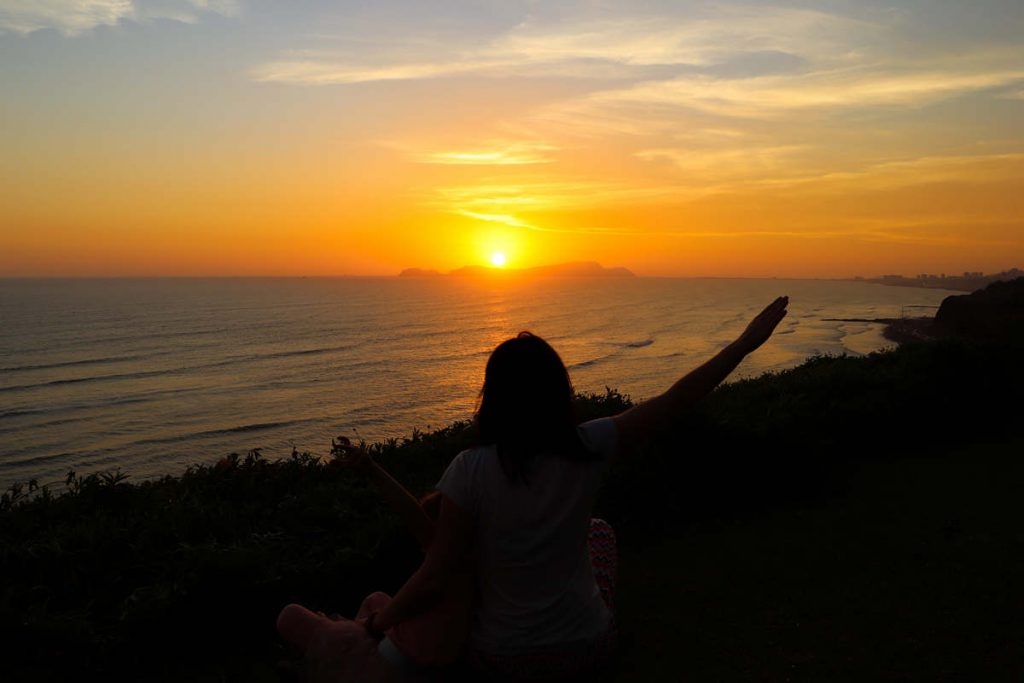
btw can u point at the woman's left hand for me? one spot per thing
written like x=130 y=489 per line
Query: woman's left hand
x=348 y=455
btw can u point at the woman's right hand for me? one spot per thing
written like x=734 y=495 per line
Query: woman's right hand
x=643 y=419
x=762 y=326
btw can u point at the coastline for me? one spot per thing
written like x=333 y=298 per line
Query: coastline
x=899 y=330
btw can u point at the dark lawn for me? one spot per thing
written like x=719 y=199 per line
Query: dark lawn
x=916 y=572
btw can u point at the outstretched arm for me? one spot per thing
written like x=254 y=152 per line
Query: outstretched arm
x=655 y=414
x=403 y=503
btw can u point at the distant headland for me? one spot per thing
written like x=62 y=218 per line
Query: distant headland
x=575 y=269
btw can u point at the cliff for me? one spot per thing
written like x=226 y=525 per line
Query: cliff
x=995 y=313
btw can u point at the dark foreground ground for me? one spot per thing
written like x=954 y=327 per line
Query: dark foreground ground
x=914 y=573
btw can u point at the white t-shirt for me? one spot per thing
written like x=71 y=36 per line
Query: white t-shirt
x=537 y=587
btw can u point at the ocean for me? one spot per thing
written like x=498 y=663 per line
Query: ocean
x=152 y=375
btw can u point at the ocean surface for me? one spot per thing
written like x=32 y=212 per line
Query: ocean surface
x=152 y=375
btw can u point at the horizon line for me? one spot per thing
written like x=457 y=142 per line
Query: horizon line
x=497 y=271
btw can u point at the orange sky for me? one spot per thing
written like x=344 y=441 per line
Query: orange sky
x=756 y=139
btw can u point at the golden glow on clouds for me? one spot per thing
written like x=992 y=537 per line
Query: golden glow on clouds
x=496 y=154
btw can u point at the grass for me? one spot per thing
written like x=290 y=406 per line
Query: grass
x=752 y=547
x=911 y=574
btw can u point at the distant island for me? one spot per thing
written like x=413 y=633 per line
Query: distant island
x=966 y=282
x=575 y=269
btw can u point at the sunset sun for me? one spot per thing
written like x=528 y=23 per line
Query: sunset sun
x=498 y=259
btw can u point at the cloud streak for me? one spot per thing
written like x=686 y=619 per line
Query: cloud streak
x=73 y=17
x=779 y=95
x=496 y=153
x=862 y=234
x=622 y=47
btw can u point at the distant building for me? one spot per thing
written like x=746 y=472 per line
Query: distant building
x=969 y=281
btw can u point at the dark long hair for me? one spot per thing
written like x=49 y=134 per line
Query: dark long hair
x=526 y=406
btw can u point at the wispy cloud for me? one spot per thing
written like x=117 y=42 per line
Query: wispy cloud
x=904 y=234
x=733 y=162
x=494 y=153
x=896 y=173
x=503 y=218
x=326 y=71
x=512 y=197
x=620 y=47
x=696 y=37
x=72 y=17
x=778 y=95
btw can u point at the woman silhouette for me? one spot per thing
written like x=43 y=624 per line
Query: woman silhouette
x=522 y=500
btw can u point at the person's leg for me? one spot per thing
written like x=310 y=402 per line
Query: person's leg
x=343 y=651
x=374 y=602
x=335 y=649
x=297 y=625
x=397 y=664
x=604 y=558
